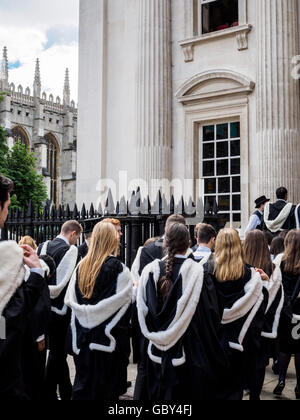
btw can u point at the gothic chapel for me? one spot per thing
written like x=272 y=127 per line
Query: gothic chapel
x=47 y=126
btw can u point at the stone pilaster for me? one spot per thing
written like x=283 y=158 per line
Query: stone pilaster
x=278 y=117
x=154 y=96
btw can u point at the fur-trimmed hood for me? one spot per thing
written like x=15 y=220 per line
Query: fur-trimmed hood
x=247 y=306
x=64 y=271
x=92 y=316
x=275 y=225
x=192 y=275
x=12 y=271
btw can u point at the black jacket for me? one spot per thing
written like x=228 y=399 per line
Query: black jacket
x=20 y=305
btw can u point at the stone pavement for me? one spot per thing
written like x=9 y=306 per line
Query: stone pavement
x=267 y=394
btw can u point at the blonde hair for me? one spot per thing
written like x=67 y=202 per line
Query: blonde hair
x=229 y=256
x=28 y=240
x=104 y=242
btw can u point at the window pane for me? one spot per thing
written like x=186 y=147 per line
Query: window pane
x=236 y=184
x=222 y=131
x=209 y=168
x=237 y=217
x=235 y=166
x=209 y=202
x=222 y=149
x=210 y=186
x=209 y=133
x=208 y=150
x=224 y=185
x=224 y=218
x=219 y=15
x=224 y=202
x=235 y=148
x=222 y=167
x=236 y=202
x=235 y=130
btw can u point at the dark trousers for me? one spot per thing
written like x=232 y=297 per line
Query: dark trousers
x=34 y=363
x=57 y=370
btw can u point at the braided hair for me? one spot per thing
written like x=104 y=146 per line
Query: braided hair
x=177 y=240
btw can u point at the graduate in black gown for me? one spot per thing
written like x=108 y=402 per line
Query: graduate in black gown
x=34 y=353
x=65 y=254
x=280 y=216
x=179 y=318
x=145 y=256
x=17 y=299
x=257 y=254
x=289 y=329
x=243 y=301
x=100 y=295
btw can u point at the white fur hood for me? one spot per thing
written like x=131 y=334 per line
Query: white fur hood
x=12 y=271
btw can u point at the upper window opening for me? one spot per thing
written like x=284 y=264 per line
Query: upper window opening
x=219 y=14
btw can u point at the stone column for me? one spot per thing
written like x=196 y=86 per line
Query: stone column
x=278 y=115
x=154 y=96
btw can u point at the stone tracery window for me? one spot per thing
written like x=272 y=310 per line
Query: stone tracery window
x=20 y=135
x=52 y=166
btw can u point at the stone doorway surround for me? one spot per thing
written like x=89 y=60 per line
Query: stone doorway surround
x=209 y=97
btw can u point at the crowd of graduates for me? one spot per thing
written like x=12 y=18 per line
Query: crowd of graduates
x=201 y=323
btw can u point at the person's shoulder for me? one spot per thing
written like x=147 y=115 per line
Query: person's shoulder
x=112 y=263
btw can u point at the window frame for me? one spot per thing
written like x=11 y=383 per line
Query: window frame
x=242 y=11
x=217 y=194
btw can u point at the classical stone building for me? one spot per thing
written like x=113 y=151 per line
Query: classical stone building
x=47 y=126
x=191 y=90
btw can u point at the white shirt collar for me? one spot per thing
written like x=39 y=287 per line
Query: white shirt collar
x=64 y=239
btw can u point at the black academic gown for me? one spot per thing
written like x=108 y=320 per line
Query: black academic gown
x=206 y=361
x=276 y=208
x=243 y=365
x=149 y=254
x=34 y=361
x=289 y=342
x=15 y=313
x=102 y=376
x=57 y=370
x=83 y=250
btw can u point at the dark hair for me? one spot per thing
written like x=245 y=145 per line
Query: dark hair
x=177 y=240
x=268 y=237
x=281 y=193
x=72 y=226
x=175 y=218
x=257 y=252
x=277 y=246
x=206 y=233
x=291 y=256
x=6 y=186
x=283 y=234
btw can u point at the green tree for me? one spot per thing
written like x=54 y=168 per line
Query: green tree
x=19 y=165
x=28 y=185
x=4 y=150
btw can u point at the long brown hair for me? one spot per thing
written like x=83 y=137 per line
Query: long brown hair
x=229 y=256
x=177 y=240
x=104 y=242
x=257 y=252
x=291 y=256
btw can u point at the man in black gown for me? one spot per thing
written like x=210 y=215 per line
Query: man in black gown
x=280 y=216
x=66 y=256
x=21 y=298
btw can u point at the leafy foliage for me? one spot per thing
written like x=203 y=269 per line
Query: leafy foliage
x=19 y=165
